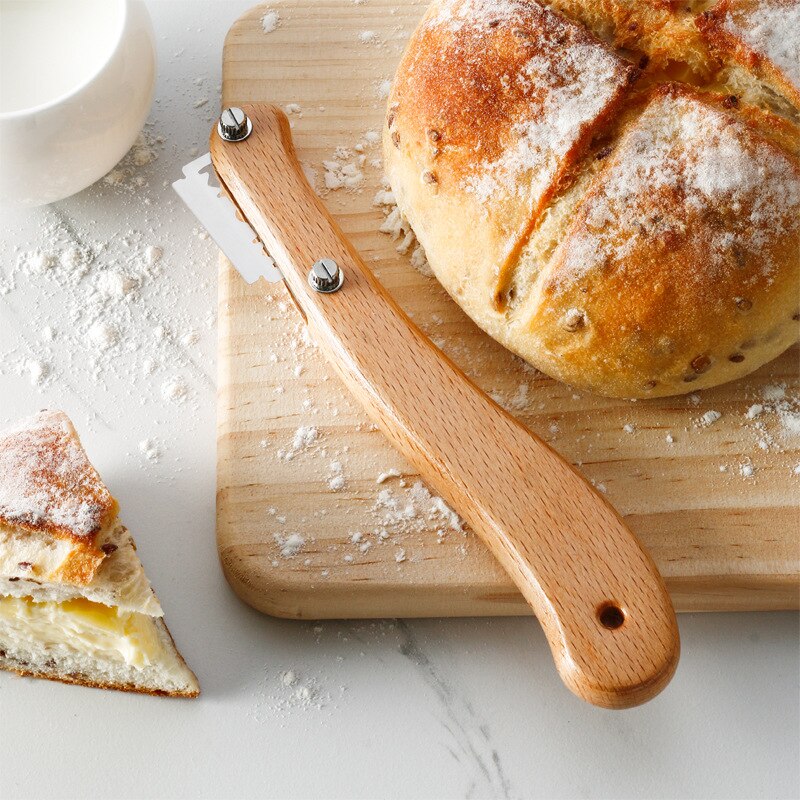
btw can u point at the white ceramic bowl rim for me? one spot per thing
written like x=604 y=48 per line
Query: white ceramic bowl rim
x=23 y=112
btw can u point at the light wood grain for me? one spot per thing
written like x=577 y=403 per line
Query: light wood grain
x=723 y=542
x=598 y=595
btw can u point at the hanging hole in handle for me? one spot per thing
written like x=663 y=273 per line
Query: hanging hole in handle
x=611 y=616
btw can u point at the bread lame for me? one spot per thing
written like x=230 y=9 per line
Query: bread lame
x=601 y=601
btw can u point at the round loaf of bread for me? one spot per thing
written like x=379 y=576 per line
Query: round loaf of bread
x=609 y=189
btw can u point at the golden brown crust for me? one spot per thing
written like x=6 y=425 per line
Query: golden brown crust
x=79 y=567
x=78 y=680
x=737 y=31
x=662 y=31
x=493 y=103
x=49 y=487
x=680 y=259
x=669 y=263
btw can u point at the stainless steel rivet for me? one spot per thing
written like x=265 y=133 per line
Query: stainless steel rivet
x=234 y=125
x=325 y=276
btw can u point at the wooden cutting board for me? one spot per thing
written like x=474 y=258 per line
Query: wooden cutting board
x=318 y=516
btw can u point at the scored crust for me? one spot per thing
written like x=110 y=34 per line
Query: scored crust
x=676 y=264
x=699 y=184
x=663 y=30
x=52 y=501
x=491 y=106
x=761 y=35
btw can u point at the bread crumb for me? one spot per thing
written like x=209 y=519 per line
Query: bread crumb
x=385 y=476
x=709 y=418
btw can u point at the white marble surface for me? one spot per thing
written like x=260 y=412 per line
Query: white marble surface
x=437 y=708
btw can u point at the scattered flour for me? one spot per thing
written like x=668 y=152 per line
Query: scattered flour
x=103 y=335
x=150 y=450
x=270 y=21
x=412 y=510
x=290 y=545
x=336 y=481
x=175 y=390
x=304 y=438
x=37 y=371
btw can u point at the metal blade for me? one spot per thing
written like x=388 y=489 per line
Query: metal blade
x=200 y=190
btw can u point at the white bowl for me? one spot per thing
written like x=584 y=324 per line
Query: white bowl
x=53 y=150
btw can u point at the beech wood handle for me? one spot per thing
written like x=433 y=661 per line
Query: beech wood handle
x=596 y=592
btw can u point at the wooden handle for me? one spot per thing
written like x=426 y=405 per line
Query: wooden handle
x=598 y=595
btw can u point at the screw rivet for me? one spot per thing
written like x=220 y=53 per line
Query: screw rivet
x=325 y=276
x=234 y=125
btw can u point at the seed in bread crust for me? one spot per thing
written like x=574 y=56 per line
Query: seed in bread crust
x=700 y=364
x=743 y=304
x=650 y=385
x=396 y=138
x=731 y=101
x=108 y=548
x=434 y=135
x=736 y=358
x=390 y=119
x=429 y=177
x=573 y=320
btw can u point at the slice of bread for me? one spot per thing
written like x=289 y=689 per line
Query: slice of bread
x=99 y=624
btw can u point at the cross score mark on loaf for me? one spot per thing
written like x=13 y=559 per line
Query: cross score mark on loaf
x=693 y=215
x=662 y=257
x=511 y=97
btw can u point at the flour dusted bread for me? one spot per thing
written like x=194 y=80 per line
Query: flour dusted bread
x=610 y=189
x=760 y=35
x=75 y=603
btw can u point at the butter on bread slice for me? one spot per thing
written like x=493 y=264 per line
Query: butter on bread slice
x=75 y=603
